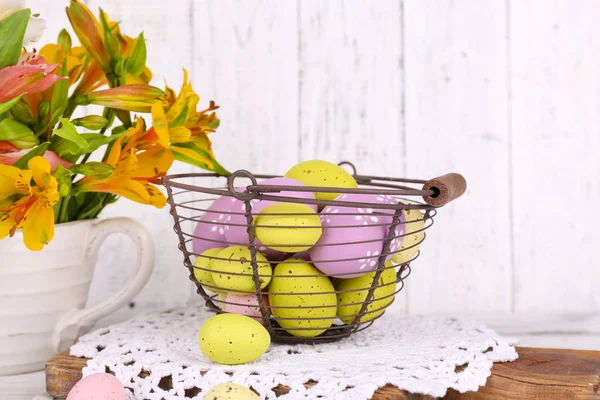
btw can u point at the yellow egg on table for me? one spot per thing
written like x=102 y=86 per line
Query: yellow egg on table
x=203 y=273
x=355 y=290
x=415 y=234
x=233 y=339
x=323 y=174
x=306 y=295
x=230 y=391
x=296 y=229
x=238 y=260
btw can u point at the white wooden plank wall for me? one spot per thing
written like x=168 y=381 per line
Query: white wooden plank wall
x=505 y=92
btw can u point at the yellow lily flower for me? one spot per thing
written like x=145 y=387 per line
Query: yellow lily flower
x=53 y=54
x=134 y=172
x=184 y=130
x=28 y=207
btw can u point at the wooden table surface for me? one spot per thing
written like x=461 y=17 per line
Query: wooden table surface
x=27 y=386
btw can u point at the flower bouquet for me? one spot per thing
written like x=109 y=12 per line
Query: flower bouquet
x=46 y=174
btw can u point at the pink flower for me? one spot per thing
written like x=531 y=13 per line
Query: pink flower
x=33 y=77
x=10 y=154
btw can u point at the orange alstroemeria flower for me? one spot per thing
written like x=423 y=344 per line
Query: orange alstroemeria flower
x=28 y=207
x=134 y=172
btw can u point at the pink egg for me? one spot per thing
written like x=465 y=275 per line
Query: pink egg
x=210 y=231
x=354 y=251
x=99 y=386
x=244 y=305
x=237 y=234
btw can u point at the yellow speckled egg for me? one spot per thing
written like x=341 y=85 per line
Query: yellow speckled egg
x=203 y=273
x=230 y=391
x=412 y=241
x=237 y=260
x=355 y=292
x=233 y=339
x=323 y=174
x=309 y=297
x=290 y=232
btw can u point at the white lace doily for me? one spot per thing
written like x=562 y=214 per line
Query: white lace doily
x=417 y=354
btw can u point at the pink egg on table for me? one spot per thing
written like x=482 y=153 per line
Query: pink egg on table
x=210 y=230
x=237 y=234
x=354 y=249
x=99 y=386
x=244 y=305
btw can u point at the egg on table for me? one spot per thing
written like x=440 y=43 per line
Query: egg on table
x=99 y=386
x=302 y=299
x=352 y=293
x=415 y=234
x=236 y=232
x=288 y=227
x=230 y=391
x=203 y=270
x=353 y=237
x=210 y=229
x=233 y=270
x=322 y=174
x=233 y=339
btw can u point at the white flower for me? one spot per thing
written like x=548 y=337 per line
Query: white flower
x=36 y=25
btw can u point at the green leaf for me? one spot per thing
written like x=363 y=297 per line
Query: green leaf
x=91 y=204
x=120 y=68
x=23 y=113
x=91 y=122
x=111 y=42
x=93 y=169
x=43 y=109
x=218 y=168
x=137 y=61
x=11 y=129
x=64 y=41
x=60 y=95
x=12 y=33
x=4 y=107
x=71 y=152
x=26 y=142
x=63 y=177
x=38 y=151
x=68 y=132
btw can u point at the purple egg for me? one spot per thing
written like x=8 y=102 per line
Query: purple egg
x=336 y=253
x=210 y=231
x=236 y=232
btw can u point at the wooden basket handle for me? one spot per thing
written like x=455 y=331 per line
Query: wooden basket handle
x=446 y=187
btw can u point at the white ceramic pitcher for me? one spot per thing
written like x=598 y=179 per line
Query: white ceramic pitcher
x=43 y=294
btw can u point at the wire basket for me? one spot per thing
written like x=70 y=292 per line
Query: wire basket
x=309 y=270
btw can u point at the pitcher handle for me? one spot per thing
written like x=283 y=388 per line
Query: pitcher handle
x=77 y=322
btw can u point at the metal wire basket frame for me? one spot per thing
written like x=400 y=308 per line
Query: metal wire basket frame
x=434 y=193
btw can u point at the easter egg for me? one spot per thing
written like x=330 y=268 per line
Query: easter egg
x=210 y=231
x=304 y=295
x=353 y=293
x=236 y=260
x=203 y=271
x=233 y=339
x=353 y=237
x=236 y=230
x=322 y=174
x=297 y=229
x=231 y=391
x=245 y=305
x=415 y=225
x=99 y=386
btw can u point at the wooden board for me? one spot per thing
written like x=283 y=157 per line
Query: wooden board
x=537 y=374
